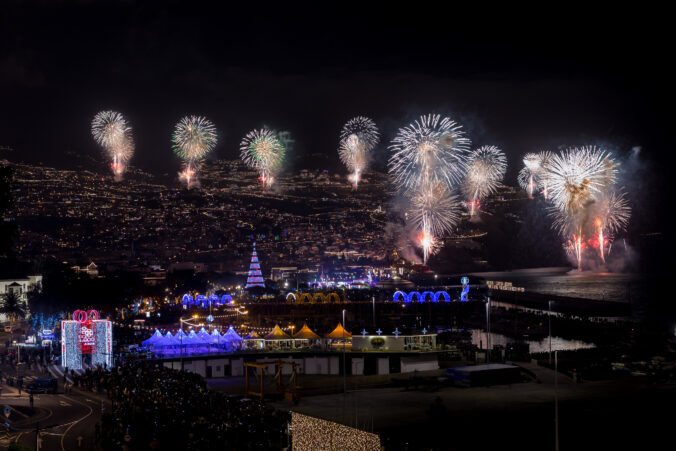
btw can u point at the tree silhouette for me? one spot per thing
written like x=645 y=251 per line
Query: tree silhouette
x=13 y=306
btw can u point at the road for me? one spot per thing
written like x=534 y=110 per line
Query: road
x=65 y=417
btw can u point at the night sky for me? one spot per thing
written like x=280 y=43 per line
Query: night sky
x=566 y=78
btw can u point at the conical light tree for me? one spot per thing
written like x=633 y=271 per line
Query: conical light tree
x=255 y=278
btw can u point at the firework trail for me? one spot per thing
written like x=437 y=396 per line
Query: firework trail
x=264 y=151
x=357 y=138
x=434 y=211
x=428 y=159
x=545 y=160
x=578 y=180
x=530 y=173
x=194 y=137
x=111 y=131
x=486 y=168
x=611 y=214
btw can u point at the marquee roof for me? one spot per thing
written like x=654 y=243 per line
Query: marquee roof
x=277 y=334
x=306 y=333
x=339 y=332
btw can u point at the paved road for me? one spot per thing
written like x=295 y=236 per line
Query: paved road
x=66 y=417
x=618 y=415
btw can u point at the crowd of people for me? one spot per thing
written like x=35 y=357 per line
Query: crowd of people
x=160 y=408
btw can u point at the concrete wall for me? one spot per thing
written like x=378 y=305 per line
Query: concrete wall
x=327 y=365
x=422 y=362
x=357 y=366
x=384 y=365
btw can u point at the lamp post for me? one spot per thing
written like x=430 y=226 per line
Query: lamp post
x=549 y=320
x=373 y=300
x=556 y=400
x=181 y=334
x=488 y=329
x=18 y=363
x=344 y=367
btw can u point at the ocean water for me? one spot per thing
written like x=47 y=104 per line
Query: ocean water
x=558 y=343
x=588 y=285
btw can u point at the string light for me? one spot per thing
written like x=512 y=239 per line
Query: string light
x=315 y=434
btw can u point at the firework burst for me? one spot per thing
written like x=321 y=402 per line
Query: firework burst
x=578 y=174
x=357 y=138
x=433 y=212
x=111 y=131
x=429 y=160
x=428 y=151
x=579 y=181
x=264 y=151
x=611 y=214
x=194 y=137
x=486 y=168
x=530 y=173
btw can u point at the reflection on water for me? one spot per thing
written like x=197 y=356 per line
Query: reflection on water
x=564 y=282
x=558 y=344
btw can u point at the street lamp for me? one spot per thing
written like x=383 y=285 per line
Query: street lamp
x=556 y=400
x=181 y=334
x=344 y=367
x=373 y=300
x=488 y=329
x=549 y=320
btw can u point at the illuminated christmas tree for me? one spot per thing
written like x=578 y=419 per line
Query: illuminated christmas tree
x=255 y=278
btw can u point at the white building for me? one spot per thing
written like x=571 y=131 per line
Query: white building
x=20 y=286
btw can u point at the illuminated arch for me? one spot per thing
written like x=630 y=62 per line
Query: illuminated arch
x=400 y=294
x=334 y=296
x=226 y=299
x=431 y=295
x=201 y=300
x=187 y=300
x=319 y=298
x=291 y=298
x=214 y=300
x=306 y=298
x=447 y=298
x=415 y=293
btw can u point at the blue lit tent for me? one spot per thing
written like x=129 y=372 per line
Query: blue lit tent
x=215 y=337
x=180 y=339
x=232 y=339
x=154 y=339
x=232 y=335
x=204 y=336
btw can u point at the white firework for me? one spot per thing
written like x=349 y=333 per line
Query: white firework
x=428 y=151
x=111 y=131
x=486 y=168
x=429 y=159
x=576 y=175
x=357 y=138
x=193 y=138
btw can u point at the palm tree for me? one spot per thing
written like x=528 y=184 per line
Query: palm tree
x=13 y=306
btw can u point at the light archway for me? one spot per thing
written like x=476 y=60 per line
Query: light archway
x=438 y=294
x=400 y=295
x=431 y=296
x=416 y=294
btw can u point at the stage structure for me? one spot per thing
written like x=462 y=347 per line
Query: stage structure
x=86 y=334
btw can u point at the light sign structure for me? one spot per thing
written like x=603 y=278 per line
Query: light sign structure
x=86 y=334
